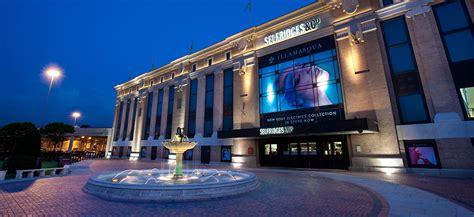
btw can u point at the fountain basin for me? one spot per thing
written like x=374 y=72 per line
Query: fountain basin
x=152 y=186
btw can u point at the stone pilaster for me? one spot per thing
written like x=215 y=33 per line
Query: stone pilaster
x=122 y=123
x=433 y=65
x=218 y=100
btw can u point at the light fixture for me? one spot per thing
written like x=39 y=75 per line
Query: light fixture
x=356 y=38
x=242 y=71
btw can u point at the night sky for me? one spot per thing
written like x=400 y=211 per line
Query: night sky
x=100 y=43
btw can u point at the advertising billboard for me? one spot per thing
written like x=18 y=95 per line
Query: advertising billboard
x=300 y=85
x=422 y=154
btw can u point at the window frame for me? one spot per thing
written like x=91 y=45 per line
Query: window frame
x=192 y=114
x=159 y=112
x=446 y=51
x=170 y=112
x=228 y=108
x=415 y=71
x=209 y=110
x=147 y=122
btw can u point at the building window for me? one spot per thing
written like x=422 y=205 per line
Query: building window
x=192 y=108
x=409 y=92
x=143 y=152
x=422 y=154
x=194 y=67
x=146 y=131
x=172 y=75
x=306 y=82
x=208 y=106
x=159 y=109
x=228 y=111
x=188 y=154
x=226 y=153
x=291 y=149
x=161 y=79
x=119 y=121
x=227 y=55
x=271 y=149
x=125 y=126
x=132 y=130
x=387 y=2
x=209 y=62
x=467 y=95
x=456 y=30
x=169 y=118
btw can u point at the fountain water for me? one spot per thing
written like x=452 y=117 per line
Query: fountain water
x=179 y=145
x=162 y=185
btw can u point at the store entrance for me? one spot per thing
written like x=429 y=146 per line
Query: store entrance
x=329 y=152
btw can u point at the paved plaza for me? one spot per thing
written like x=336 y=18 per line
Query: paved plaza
x=281 y=192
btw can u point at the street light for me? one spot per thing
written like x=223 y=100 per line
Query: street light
x=52 y=72
x=76 y=115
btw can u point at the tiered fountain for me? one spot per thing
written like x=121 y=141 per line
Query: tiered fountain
x=162 y=185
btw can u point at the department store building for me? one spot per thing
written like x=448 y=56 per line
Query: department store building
x=349 y=84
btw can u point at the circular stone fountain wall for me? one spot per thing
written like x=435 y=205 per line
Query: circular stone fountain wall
x=157 y=186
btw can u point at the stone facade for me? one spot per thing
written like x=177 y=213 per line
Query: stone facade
x=367 y=86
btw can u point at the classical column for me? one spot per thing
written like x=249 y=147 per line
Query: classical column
x=139 y=122
x=218 y=100
x=122 y=123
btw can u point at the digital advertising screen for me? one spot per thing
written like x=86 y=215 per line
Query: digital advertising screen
x=296 y=81
x=226 y=154
x=422 y=154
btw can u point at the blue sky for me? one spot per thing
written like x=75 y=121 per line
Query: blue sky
x=99 y=43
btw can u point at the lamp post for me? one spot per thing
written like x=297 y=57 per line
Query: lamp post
x=52 y=72
x=75 y=115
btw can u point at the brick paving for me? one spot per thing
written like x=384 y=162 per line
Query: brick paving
x=460 y=191
x=279 y=194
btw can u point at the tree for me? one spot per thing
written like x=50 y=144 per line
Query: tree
x=23 y=143
x=55 y=132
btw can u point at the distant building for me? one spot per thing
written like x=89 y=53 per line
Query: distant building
x=363 y=85
x=84 y=140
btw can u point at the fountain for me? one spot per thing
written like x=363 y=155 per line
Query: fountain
x=152 y=185
x=179 y=145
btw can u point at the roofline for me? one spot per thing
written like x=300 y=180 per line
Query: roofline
x=260 y=29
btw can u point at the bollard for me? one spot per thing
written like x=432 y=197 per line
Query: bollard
x=2 y=174
x=19 y=174
x=53 y=172
x=66 y=169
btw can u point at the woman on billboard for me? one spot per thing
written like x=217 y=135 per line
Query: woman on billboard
x=296 y=84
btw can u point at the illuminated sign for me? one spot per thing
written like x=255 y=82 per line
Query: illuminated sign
x=276 y=130
x=293 y=31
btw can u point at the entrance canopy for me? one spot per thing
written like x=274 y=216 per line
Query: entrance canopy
x=341 y=127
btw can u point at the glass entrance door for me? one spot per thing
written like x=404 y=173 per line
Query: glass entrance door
x=154 y=150
x=305 y=152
